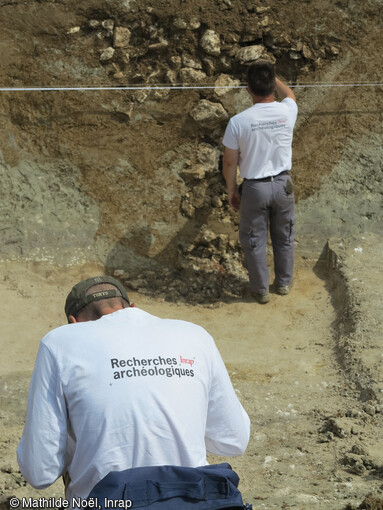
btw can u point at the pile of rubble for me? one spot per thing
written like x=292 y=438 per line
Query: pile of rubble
x=146 y=44
x=209 y=270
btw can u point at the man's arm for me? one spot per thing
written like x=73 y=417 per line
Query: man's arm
x=283 y=90
x=230 y=163
x=42 y=449
x=228 y=425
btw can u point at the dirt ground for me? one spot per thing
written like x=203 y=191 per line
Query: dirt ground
x=314 y=442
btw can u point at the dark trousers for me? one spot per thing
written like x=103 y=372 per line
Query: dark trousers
x=211 y=487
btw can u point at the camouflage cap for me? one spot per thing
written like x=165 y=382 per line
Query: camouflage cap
x=78 y=298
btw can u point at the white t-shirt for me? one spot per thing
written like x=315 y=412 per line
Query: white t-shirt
x=127 y=390
x=263 y=135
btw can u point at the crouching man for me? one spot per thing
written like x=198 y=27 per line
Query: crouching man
x=121 y=400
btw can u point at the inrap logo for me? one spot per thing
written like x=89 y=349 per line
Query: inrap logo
x=187 y=361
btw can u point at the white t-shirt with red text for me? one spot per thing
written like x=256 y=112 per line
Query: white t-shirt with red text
x=128 y=390
x=263 y=135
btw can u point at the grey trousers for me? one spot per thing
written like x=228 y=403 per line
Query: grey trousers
x=265 y=204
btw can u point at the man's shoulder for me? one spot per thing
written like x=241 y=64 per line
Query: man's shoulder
x=192 y=327
x=289 y=102
x=54 y=334
x=243 y=114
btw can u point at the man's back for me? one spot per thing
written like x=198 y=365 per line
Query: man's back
x=263 y=135
x=137 y=391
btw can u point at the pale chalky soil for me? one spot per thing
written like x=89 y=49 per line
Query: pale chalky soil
x=282 y=363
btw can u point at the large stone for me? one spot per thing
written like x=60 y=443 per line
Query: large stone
x=225 y=63
x=159 y=46
x=224 y=84
x=306 y=51
x=188 y=61
x=211 y=43
x=195 y=173
x=189 y=75
x=199 y=198
x=194 y=23
x=208 y=156
x=175 y=61
x=107 y=54
x=216 y=202
x=121 y=37
x=171 y=77
x=108 y=24
x=187 y=209
x=250 y=53
x=209 y=66
x=209 y=114
x=264 y=22
x=206 y=237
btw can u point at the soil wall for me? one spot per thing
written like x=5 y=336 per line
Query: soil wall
x=132 y=179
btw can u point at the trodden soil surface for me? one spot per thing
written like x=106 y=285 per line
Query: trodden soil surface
x=281 y=357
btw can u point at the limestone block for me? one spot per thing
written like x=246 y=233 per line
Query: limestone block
x=121 y=37
x=107 y=54
x=224 y=80
x=189 y=75
x=211 y=43
x=208 y=113
x=250 y=53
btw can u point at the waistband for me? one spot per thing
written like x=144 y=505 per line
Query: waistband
x=270 y=177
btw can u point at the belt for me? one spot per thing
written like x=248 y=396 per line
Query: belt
x=270 y=178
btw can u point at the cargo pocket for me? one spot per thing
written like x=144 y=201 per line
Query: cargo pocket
x=289 y=187
x=291 y=235
x=248 y=238
x=252 y=238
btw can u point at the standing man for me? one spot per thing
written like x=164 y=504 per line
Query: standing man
x=118 y=388
x=259 y=140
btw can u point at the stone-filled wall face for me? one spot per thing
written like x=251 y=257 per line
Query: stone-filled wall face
x=133 y=178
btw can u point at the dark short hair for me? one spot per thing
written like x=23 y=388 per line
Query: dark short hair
x=261 y=78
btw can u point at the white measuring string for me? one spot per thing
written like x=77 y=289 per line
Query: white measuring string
x=178 y=87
